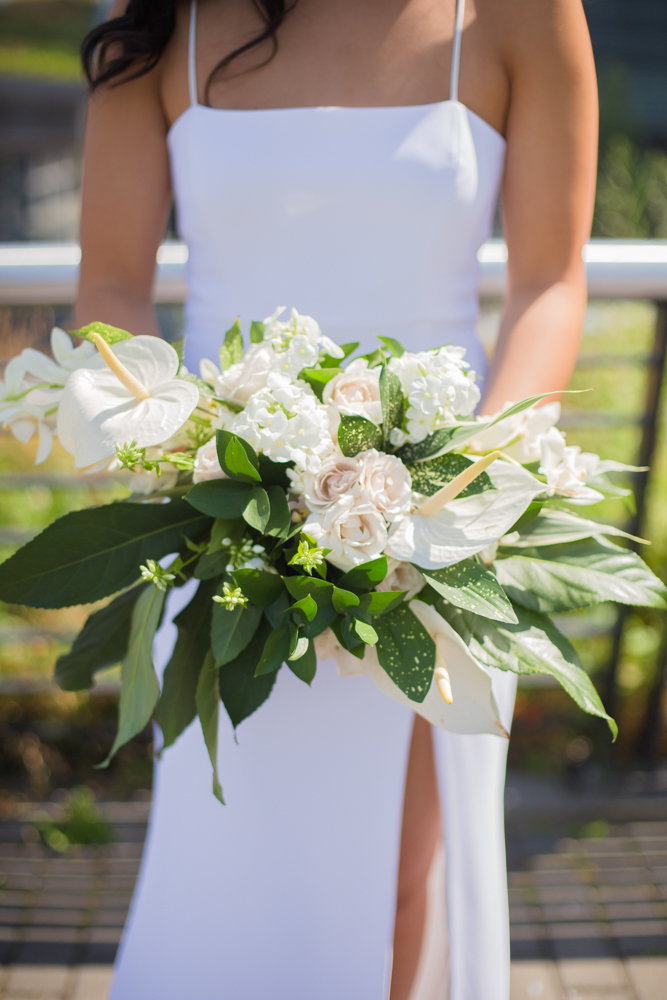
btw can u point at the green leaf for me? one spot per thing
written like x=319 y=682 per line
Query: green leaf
x=140 y=689
x=366 y=576
x=553 y=526
x=406 y=651
x=241 y=692
x=394 y=346
x=328 y=361
x=325 y=615
x=109 y=334
x=232 y=348
x=220 y=498
x=258 y=509
x=274 y=473
x=208 y=709
x=532 y=646
x=357 y=434
x=211 y=564
x=299 y=586
x=473 y=588
x=391 y=400
x=203 y=387
x=430 y=476
x=90 y=554
x=363 y=631
x=380 y=602
x=424 y=449
x=276 y=649
x=258 y=586
x=529 y=514
x=280 y=518
x=317 y=378
x=101 y=643
x=177 y=706
x=223 y=439
x=278 y=612
x=304 y=665
x=231 y=631
x=343 y=600
x=307 y=606
x=237 y=464
x=578 y=575
x=257 y=331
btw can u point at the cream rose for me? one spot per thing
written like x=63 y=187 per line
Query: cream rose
x=356 y=391
x=240 y=381
x=337 y=477
x=386 y=482
x=402 y=576
x=354 y=531
x=327 y=647
x=207 y=465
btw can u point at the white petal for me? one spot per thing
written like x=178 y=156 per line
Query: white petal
x=23 y=429
x=150 y=359
x=45 y=443
x=14 y=373
x=61 y=345
x=96 y=413
x=464 y=527
x=473 y=709
x=43 y=367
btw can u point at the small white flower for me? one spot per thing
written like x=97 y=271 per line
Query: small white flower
x=354 y=531
x=280 y=335
x=397 y=437
x=519 y=436
x=356 y=391
x=386 y=482
x=207 y=465
x=419 y=424
x=567 y=468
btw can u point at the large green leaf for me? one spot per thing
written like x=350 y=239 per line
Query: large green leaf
x=231 y=631
x=424 y=449
x=208 y=709
x=380 y=602
x=280 y=518
x=406 y=651
x=430 y=476
x=241 y=692
x=366 y=576
x=532 y=646
x=305 y=666
x=257 y=512
x=102 y=642
x=232 y=348
x=562 y=577
x=90 y=554
x=140 y=689
x=177 y=705
x=276 y=649
x=391 y=400
x=242 y=455
x=357 y=434
x=259 y=586
x=553 y=526
x=220 y=498
x=473 y=588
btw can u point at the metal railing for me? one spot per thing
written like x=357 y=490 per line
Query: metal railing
x=47 y=273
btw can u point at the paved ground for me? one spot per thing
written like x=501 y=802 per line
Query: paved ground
x=589 y=916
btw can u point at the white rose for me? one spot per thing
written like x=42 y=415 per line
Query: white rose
x=207 y=465
x=386 y=482
x=402 y=576
x=337 y=477
x=356 y=391
x=354 y=531
x=327 y=647
x=240 y=381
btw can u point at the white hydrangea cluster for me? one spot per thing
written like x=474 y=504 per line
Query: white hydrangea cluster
x=286 y=422
x=438 y=386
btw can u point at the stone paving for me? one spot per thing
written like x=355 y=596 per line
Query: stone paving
x=588 y=919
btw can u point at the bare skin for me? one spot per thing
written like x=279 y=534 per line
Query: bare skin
x=526 y=69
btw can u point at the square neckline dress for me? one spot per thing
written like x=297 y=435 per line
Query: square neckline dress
x=368 y=219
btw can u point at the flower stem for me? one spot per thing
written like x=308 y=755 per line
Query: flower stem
x=123 y=375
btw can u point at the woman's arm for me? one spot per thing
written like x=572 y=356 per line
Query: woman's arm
x=125 y=203
x=548 y=195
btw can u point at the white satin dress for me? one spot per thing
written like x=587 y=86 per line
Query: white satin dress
x=368 y=219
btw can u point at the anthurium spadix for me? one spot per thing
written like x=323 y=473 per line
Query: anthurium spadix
x=473 y=708
x=464 y=526
x=134 y=397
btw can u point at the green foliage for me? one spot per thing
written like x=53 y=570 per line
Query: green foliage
x=140 y=689
x=260 y=587
x=391 y=400
x=231 y=631
x=343 y=600
x=631 y=196
x=280 y=517
x=81 y=823
x=470 y=586
x=90 y=554
x=208 y=709
x=241 y=692
x=317 y=378
x=258 y=509
x=554 y=526
x=110 y=334
x=257 y=332
x=177 y=706
x=366 y=576
x=357 y=434
x=276 y=650
x=220 y=498
x=380 y=602
x=430 y=476
x=406 y=651
x=238 y=464
x=395 y=346
x=231 y=350
x=101 y=643
x=303 y=663
x=424 y=449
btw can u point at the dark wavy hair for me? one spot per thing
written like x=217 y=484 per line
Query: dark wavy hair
x=131 y=45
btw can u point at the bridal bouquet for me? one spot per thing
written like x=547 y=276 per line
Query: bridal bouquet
x=352 y=510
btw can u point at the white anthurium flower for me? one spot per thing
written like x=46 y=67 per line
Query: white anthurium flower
x=518 y=436
x=464 y=526
x=472 y=707
x=567 y=469
x=27 y=419
x=13 y=389
x=137 y=398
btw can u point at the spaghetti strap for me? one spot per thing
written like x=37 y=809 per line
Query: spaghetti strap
x=456 y=51
x=192 y=53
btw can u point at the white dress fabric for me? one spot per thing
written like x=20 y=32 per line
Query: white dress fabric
x=368 y=219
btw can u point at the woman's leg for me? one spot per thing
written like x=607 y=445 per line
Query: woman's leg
x=420 y=835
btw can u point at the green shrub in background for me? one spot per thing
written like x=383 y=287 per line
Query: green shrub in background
x=81 y=823
x=631 y=198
